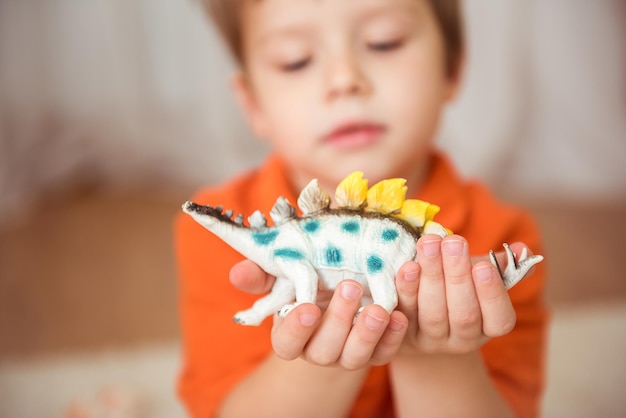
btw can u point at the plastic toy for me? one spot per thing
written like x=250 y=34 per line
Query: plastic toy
x=369 y=235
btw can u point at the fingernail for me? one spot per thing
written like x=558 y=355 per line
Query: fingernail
x=307 y=319
x=410 y=276
x=350 y=291
x=484 y=273
x=396 y=326
x=431 y=248
x=374 y=323
x=453 y=248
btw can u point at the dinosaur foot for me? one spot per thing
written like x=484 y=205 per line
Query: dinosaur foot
x=286 y=309
x=249 y=317
x=516 y=268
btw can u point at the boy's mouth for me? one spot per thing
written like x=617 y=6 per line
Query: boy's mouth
x=355 y=135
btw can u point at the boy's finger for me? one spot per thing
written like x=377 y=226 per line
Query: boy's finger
x=391 y=340
x=326 y=344
x=364 y=337
x=498 y=314
x=407 y=285
x=464 y=312
x=291 y=333
x=248 y=277
x=431 y=298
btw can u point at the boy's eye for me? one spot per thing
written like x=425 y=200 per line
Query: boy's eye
x=384 y=46
x=295 y=65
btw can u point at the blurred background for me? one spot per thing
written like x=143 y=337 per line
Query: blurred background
x=112 y=112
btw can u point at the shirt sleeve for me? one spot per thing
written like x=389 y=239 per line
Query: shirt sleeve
x=516 y=360
x=217 y=353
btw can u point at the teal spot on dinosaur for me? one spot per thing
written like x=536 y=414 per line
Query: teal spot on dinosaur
x=264 y=238
x=390 y=234
x=288 y=253
x=311 y=226
x=351 y=227
x=333 y=256
x=374 y=264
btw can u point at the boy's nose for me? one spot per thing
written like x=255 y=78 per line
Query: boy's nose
x=346 y=78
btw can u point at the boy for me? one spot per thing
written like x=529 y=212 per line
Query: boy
x=337 y=86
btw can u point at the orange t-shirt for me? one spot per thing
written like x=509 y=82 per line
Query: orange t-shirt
x=218 y=353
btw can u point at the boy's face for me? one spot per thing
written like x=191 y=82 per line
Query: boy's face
x=342 y=85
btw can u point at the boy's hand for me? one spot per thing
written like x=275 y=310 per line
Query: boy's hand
x=453 y=305
x=334 y=338
x=455 y=314
x=329 y=336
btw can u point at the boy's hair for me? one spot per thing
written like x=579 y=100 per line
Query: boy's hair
x=226 y=16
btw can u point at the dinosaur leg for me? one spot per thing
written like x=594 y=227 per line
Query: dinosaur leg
x=305 y=281
x=516 y=268
x=383 y=289
x=282 y=293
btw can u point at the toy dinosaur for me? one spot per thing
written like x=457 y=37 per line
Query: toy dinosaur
x=368 y=237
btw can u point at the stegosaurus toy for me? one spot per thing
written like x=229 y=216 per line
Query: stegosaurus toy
x=368 y=237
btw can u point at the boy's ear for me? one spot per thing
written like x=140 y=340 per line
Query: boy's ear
x=244 y=94
x=456 y=79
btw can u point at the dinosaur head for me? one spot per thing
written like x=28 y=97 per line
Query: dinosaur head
x=208 y=216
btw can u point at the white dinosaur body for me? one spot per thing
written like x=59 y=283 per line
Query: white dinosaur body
x=325 y=246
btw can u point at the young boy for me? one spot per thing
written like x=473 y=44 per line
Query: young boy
x=337 y=86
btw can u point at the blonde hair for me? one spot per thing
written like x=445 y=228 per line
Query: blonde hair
x=226 y=16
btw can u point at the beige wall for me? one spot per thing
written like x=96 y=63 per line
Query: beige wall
x=544 y=106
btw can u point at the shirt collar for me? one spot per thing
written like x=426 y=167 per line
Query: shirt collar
x=444 y=188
